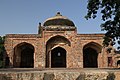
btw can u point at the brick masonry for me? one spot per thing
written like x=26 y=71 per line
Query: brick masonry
x=48 y=38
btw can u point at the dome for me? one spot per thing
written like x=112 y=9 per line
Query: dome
x=58 y=20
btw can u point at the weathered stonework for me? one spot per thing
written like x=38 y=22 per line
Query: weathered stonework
x=58 y=74
x=56 y=35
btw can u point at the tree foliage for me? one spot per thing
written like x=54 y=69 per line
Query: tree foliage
x=2 y=49
x=110 y=14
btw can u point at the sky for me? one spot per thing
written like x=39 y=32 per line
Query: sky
x=23 y=16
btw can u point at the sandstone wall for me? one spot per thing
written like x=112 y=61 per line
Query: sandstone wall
x=60 y=75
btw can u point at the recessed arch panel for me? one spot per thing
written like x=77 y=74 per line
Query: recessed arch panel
x=90 y=55
x=24 y=55
x=57 y=40
x=51 y=45
x=94 y=45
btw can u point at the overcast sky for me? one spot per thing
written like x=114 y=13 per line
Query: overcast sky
x=23 y=16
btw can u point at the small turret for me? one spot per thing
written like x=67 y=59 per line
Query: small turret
x=40 y=29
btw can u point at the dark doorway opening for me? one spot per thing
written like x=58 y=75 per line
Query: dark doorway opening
x=90 y=56
x=58 y=58
x=51 y=43
x=118 y=62
x=7 y=61
x=27 y=57
x=24 y=56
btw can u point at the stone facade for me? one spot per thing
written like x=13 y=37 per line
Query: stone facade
x=57 y=45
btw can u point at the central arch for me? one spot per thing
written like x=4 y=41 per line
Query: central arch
x=58 y=57
x=53 y=46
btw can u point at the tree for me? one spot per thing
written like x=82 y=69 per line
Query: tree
x=110 y=10
x=2 y=49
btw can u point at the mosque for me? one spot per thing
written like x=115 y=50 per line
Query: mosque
x=58 y=45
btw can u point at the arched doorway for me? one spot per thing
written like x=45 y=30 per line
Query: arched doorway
x=90 y=55
x=58 y=58
x=27 y=57
x=24 y=55
x=90 y=58
x=52 y=47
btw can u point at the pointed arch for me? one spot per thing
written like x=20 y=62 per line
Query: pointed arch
x=93 y=45
x=58 y=39
x=52 y=43
x=24 y=55
x=90 y=55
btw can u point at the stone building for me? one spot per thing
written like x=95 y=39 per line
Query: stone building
x=57 y=45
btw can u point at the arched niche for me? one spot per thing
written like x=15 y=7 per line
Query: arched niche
x=23 y=55
x=52 y=43
x=90 y=55
x=57 y=40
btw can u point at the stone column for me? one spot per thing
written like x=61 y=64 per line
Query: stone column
x=49 y=59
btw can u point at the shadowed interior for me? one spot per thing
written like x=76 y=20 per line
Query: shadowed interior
x=58 y=57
